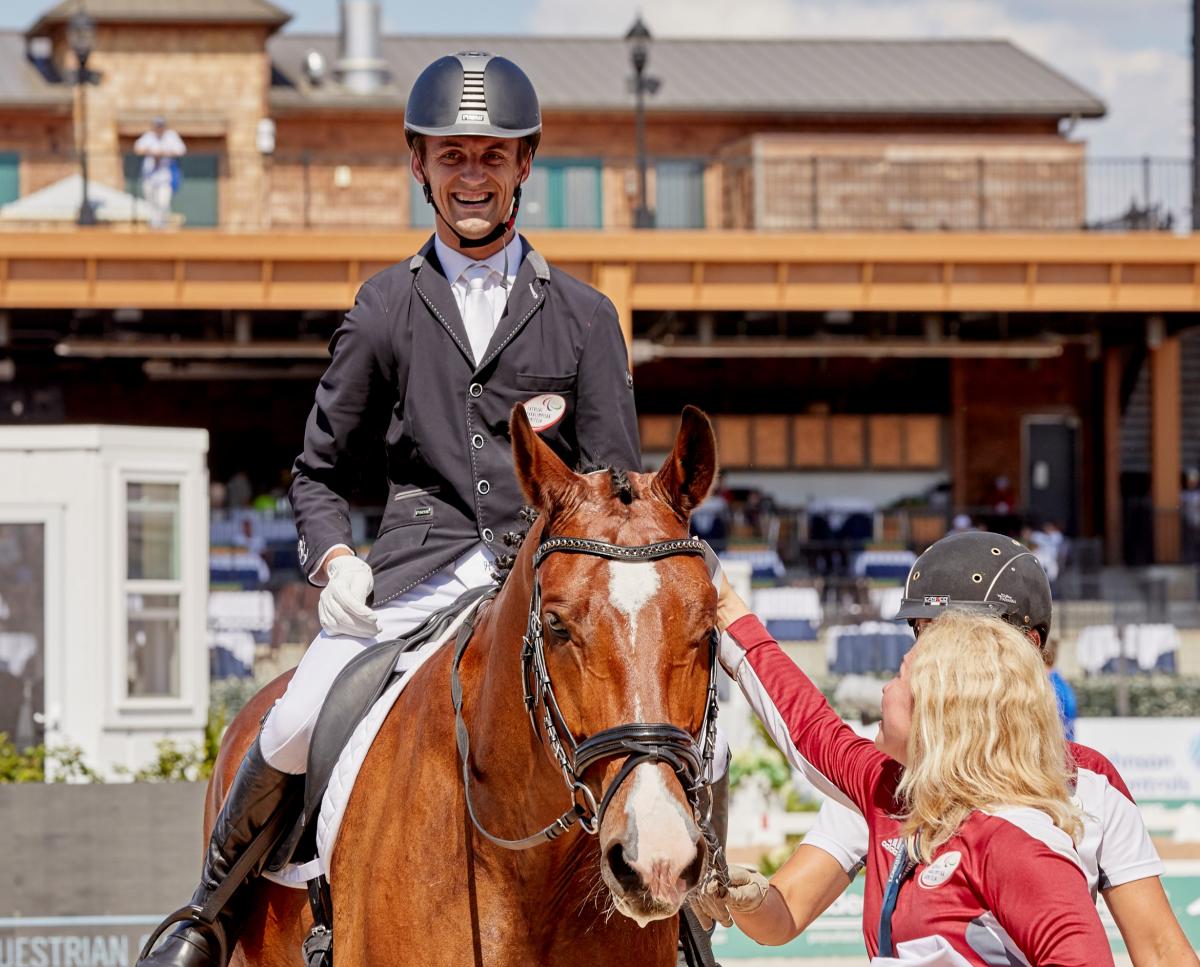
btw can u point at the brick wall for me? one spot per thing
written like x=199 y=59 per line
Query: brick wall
x=210 y=82
x=904 y=180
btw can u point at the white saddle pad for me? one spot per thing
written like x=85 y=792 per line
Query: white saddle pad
x=341 y=782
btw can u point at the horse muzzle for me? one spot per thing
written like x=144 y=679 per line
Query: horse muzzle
x=653 y=853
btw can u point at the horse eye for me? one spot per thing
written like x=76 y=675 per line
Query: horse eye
x=554 y=623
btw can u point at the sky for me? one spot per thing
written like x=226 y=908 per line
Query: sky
x=1133 y=54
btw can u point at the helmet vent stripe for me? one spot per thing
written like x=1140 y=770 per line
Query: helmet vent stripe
x=474 y=97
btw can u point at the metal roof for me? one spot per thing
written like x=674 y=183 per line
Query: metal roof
x=168 y=11
x=793 y=77
x=22 y=84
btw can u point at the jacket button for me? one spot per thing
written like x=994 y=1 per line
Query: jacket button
x=475 y=390
x=483 y=486
x=477 y=441
x=487 y=535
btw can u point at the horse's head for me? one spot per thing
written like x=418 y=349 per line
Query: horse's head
x=626 y=642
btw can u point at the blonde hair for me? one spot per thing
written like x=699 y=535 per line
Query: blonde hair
x=985 y=731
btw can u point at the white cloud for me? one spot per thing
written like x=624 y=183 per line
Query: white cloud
x=1146 y=88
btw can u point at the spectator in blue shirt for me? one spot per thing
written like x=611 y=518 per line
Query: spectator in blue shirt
x=1062 y=691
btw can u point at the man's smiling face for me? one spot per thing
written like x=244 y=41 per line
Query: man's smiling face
x=472 y=180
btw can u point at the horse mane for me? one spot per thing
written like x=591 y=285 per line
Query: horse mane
x=621 y=487
x=503 y=566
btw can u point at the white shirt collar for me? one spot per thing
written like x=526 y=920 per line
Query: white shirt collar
x=453 y=261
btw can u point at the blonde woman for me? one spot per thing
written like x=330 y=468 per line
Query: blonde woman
x=965 y=791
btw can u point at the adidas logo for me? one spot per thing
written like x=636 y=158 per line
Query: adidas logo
x=894 y=846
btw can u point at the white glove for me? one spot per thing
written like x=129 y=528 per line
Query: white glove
x=343 y=608
x=747 y=890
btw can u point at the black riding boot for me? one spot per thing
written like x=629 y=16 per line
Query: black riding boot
x=249 y=822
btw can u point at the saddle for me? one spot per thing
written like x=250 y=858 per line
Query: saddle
x=355 y=690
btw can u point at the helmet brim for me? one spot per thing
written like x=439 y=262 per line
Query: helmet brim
x=912 y=608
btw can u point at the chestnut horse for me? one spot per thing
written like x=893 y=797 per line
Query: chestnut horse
x=627 y=640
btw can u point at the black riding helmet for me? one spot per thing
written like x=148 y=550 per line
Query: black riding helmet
x=476 y=94
x=982 y=572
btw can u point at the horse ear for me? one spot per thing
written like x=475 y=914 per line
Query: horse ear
x=545 y=480
x=687 y=474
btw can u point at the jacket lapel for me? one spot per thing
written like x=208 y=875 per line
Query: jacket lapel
x=528 y=294
x=434 y=290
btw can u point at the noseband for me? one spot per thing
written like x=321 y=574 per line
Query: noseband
x=689 y=758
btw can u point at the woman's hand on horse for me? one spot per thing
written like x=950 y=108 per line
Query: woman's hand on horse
x=747 y=890
x=730 y=606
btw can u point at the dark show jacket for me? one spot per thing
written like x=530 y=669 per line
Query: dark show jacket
x=403 y=350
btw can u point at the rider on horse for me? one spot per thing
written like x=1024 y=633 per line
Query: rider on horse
x=432 y=357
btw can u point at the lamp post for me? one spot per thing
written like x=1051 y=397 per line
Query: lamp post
x=638 y=38
x=81 y=36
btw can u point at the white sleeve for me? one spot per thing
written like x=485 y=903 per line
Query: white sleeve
x=733 y=659
x=142 y=142
x=842 y=833
x=175 y=144
x=1125 y=852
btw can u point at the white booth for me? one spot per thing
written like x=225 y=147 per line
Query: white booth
x=103 y=588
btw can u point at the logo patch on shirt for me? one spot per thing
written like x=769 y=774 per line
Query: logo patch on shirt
x=940 y=870
x=937 y=600
x=894 y=846
x=546 y=410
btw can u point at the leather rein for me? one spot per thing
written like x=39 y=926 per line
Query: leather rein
x=690 y=758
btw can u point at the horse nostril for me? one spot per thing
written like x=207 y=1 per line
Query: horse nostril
x=691 y=875
x=626 y=875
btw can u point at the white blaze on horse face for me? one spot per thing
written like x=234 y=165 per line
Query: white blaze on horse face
x=630 y=585
x=660 y=839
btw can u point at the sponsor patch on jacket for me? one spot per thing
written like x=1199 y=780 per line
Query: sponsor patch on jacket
x=546 y=410
x=937 y=600
x=302 y=551
x=940 y=870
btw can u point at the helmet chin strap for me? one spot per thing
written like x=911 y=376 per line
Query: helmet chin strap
x=495 y=234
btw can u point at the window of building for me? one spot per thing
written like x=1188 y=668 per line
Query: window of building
x=420 y=211
x=198 y=196
x=679 y=193
x=23 y=587
x=153 y=588
x=562 y=193
x=10 y=176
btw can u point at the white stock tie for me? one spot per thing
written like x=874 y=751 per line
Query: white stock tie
x=477 y=310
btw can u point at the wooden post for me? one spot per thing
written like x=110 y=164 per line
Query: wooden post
x=1165 y=444
x=1111 y=443
x=958 y=434
x=616 y=282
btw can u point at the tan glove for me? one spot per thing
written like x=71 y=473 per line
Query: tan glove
x=747 y=890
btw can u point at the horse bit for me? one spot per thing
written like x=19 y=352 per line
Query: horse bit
x=689 y=758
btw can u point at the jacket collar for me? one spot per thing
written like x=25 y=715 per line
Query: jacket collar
x=527 y=295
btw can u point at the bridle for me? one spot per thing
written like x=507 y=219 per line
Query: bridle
x=690 y=758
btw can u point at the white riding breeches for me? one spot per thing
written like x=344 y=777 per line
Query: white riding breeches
x=289 y=725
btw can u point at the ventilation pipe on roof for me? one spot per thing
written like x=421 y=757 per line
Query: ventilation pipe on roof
x=359 y=67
